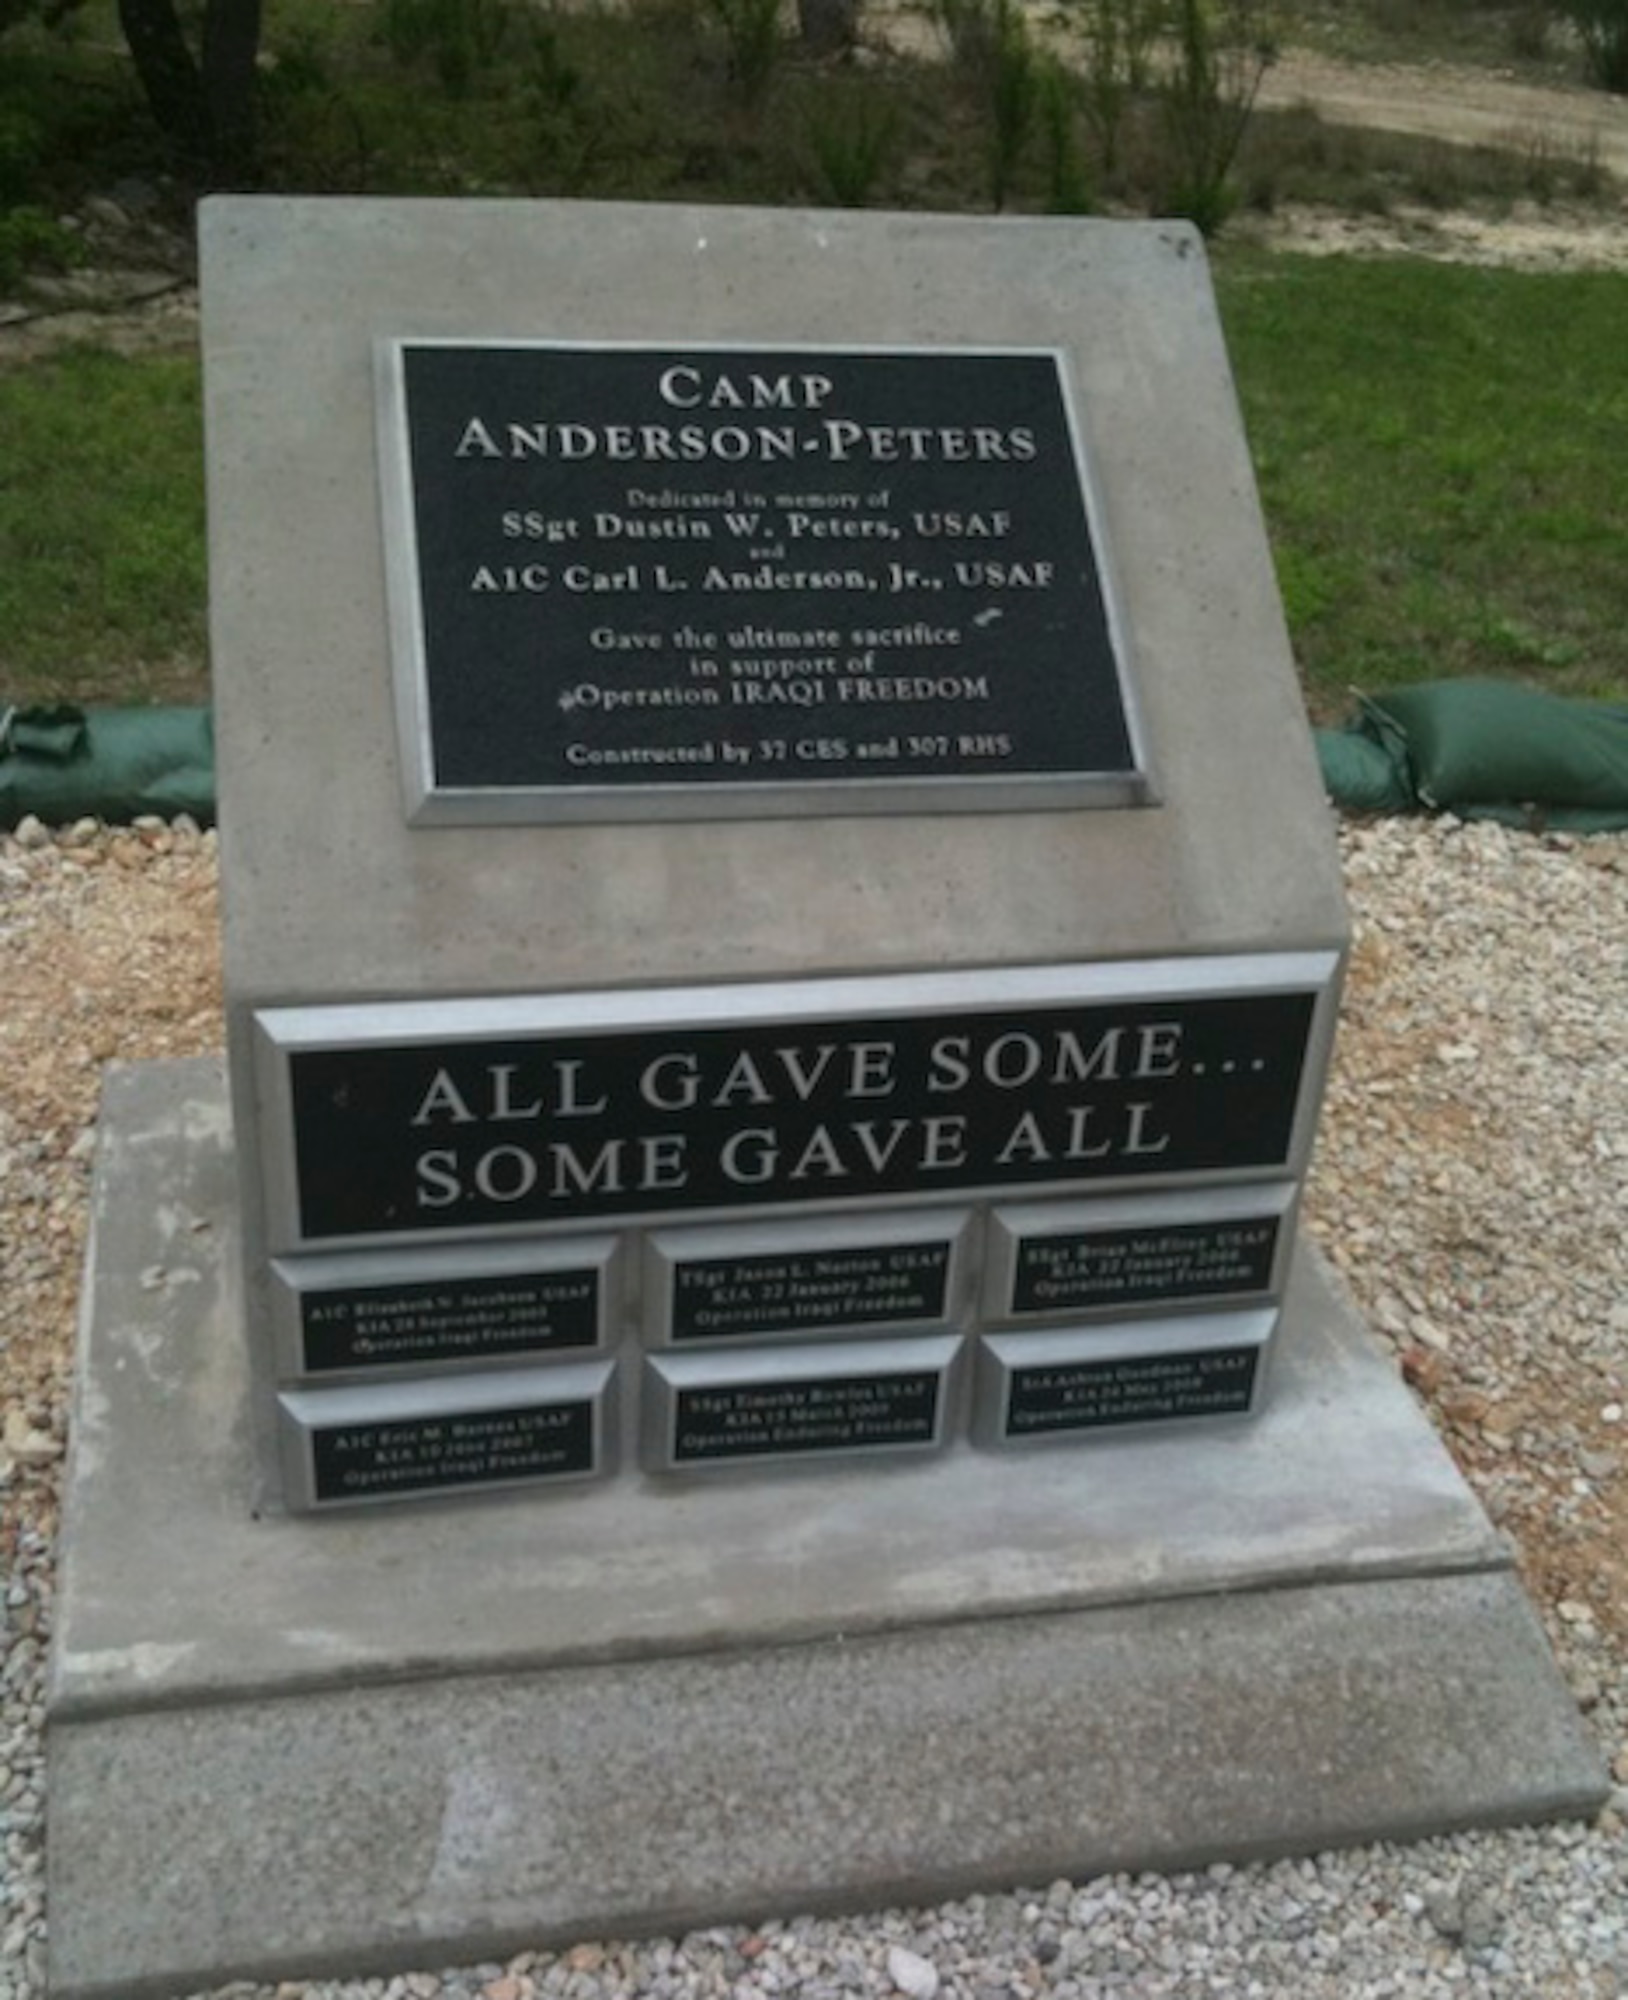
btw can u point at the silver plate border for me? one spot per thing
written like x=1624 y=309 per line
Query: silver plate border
x=1010 y=1224
x=665 y=1374
x=281 y=1032
x=666 y=1249
x=427 y=804
x=302 y=1412
x=1000 y=1355
x=292 y=1277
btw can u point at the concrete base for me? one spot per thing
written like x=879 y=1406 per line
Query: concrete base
x=295 y=1748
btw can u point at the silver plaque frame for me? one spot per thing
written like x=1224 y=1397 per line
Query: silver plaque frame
x=301 y=1413
x=1012 y=1224
x=666 y=1251
x=295 y=1278
x=280 y=1033
x=428 y=804
x=666 y=1374
x=1001 y=1356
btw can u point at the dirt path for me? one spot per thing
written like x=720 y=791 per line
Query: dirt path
x=1466 y=107
x=1441 y=101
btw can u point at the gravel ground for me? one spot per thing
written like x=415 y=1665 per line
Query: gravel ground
x=1472 y=1184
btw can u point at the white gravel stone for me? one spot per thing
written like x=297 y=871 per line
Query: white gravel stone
x=912 y=1974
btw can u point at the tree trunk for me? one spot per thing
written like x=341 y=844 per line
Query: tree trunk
x=205 y=109
x=169 y=76
x=828 y=27
x=231 y=42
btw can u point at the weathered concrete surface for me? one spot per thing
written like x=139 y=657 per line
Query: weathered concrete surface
x=331 y=895
x=379 y=1828
x=296 y=1747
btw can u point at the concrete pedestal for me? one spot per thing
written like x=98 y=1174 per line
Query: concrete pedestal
x=413 y=1736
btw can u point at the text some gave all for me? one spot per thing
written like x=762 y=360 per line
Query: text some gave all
x=845 y=1148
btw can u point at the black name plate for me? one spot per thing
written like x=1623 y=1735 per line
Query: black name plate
x=378 y=1310
x=1036 y=1385
x=1088 y=1395
x=339 y=1450
x=778 y=1294
x=1109 y=1267
x=763 y=1280
x=425 y=1117
x=1093 y=1257
x=425 y=1454
x=637 y=581
x=854 y=1413
x=884 y=1398
x=374 y=1326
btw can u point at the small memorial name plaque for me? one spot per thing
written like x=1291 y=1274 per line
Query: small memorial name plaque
x=762 y=1280
x=1073 y=1257
x=419 y=1118
x=420 y=1308
x=641 y=582
x=1037 y=1385
x=345 y=1446
x=876 y=1397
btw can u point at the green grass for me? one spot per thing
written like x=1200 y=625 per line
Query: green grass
x=1443 y=460
x=1442 y=455
x=102 y=586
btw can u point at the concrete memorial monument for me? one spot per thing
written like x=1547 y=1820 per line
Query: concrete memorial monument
x=711 y=582
x=781 y=952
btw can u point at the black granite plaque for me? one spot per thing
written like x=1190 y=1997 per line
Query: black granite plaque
x=485 y=1130
x=363 y=1461
x=717 y=1298
x=448 y=1319
x=1075 y=1269
x=717 y=569
x=1140 y=1389
x=784 y=1419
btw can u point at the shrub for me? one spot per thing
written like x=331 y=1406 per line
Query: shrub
x=1602 y=27
x=752 y=35
x=971 y=28
x=19 y=154
x=1013 y=83
x=461 y=38
x=828 y=27
x=852 y=128
x=1120 y=37
x=1221 y=52
x=1069 y=190
x=564 y=125
x=31 y=240
x=1529 y=32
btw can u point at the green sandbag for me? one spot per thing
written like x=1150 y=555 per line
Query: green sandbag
x=1361 y=775
x=113 y=764
x=1483 y=744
